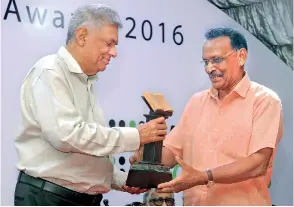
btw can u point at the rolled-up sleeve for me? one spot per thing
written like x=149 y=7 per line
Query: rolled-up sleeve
x=63 y=127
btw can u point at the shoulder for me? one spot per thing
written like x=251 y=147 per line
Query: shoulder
x=263 y=93
x=45 y=69
x=196 y=101
x=49 y=64
x=199 y=96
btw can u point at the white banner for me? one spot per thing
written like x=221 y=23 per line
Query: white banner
x=159 y=50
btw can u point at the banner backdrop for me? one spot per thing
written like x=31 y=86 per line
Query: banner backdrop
x=159 y=50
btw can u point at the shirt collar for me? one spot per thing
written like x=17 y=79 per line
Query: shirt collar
x=241 y=88
x=73 y=65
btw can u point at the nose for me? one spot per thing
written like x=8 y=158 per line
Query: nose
x=209 y=67
x=113 y=52
x=163 y=204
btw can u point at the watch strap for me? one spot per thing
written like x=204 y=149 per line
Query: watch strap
x=209 y=175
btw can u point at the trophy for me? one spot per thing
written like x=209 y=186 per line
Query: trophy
x=150 y=172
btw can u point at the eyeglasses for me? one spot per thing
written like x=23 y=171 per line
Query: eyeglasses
x=159 y=201
x=217 y=60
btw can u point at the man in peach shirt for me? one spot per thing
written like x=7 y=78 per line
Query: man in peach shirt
x=227 y=136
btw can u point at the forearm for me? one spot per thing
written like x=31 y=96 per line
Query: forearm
x=65 y=129
x=168 y=157
x=243 y=169
x=91 y=139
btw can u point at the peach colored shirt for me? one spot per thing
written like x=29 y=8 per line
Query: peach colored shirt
x=212 y=133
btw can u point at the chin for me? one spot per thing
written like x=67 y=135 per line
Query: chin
x=217 y=85
x=101 y=69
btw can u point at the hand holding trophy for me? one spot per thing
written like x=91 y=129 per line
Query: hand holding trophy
x=149 y=172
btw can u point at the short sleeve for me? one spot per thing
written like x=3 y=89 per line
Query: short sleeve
x=178 y=136
x=267 y=123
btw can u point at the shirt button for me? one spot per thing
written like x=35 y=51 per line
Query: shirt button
x=211 y=150
x=221 y=110
x=215 y=129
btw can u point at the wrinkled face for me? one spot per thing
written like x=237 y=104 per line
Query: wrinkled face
x=161 y=199
x=97 y=47
x=222 y=63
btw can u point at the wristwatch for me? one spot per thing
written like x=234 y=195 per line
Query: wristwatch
x=210 y=181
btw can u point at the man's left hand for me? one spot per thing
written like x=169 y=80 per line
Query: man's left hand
x=133 y=190
x=189 y=178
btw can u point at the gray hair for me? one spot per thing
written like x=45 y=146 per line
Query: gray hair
x=147 y=195
x=92 y=14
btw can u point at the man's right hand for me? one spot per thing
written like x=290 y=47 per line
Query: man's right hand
x=137 y=156
x=152 y=131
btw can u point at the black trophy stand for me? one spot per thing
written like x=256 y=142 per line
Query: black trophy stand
x=150 y=172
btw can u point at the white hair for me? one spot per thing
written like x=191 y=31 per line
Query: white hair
x=147 y=196
x=92 y=14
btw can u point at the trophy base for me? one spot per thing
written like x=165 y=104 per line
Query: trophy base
x=146 y=175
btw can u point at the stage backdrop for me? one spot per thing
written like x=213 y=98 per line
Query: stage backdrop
x=159 y=51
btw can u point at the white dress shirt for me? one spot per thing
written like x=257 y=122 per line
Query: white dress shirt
x=63 y=136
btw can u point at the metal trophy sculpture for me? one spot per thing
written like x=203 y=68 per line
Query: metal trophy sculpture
x=150 y=172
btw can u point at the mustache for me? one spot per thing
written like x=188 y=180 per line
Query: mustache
x=214 y=74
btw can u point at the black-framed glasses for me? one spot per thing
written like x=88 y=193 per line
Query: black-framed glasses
x=217 y=60
x=159 y=201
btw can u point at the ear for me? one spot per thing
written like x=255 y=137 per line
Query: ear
x=242 y=56
x=81 y=35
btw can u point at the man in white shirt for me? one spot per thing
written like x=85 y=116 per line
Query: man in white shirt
x=64 y=147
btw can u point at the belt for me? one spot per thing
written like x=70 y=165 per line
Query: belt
x=70 y=195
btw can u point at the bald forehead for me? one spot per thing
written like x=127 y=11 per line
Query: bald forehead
x=216 y=47
x=164 y=195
